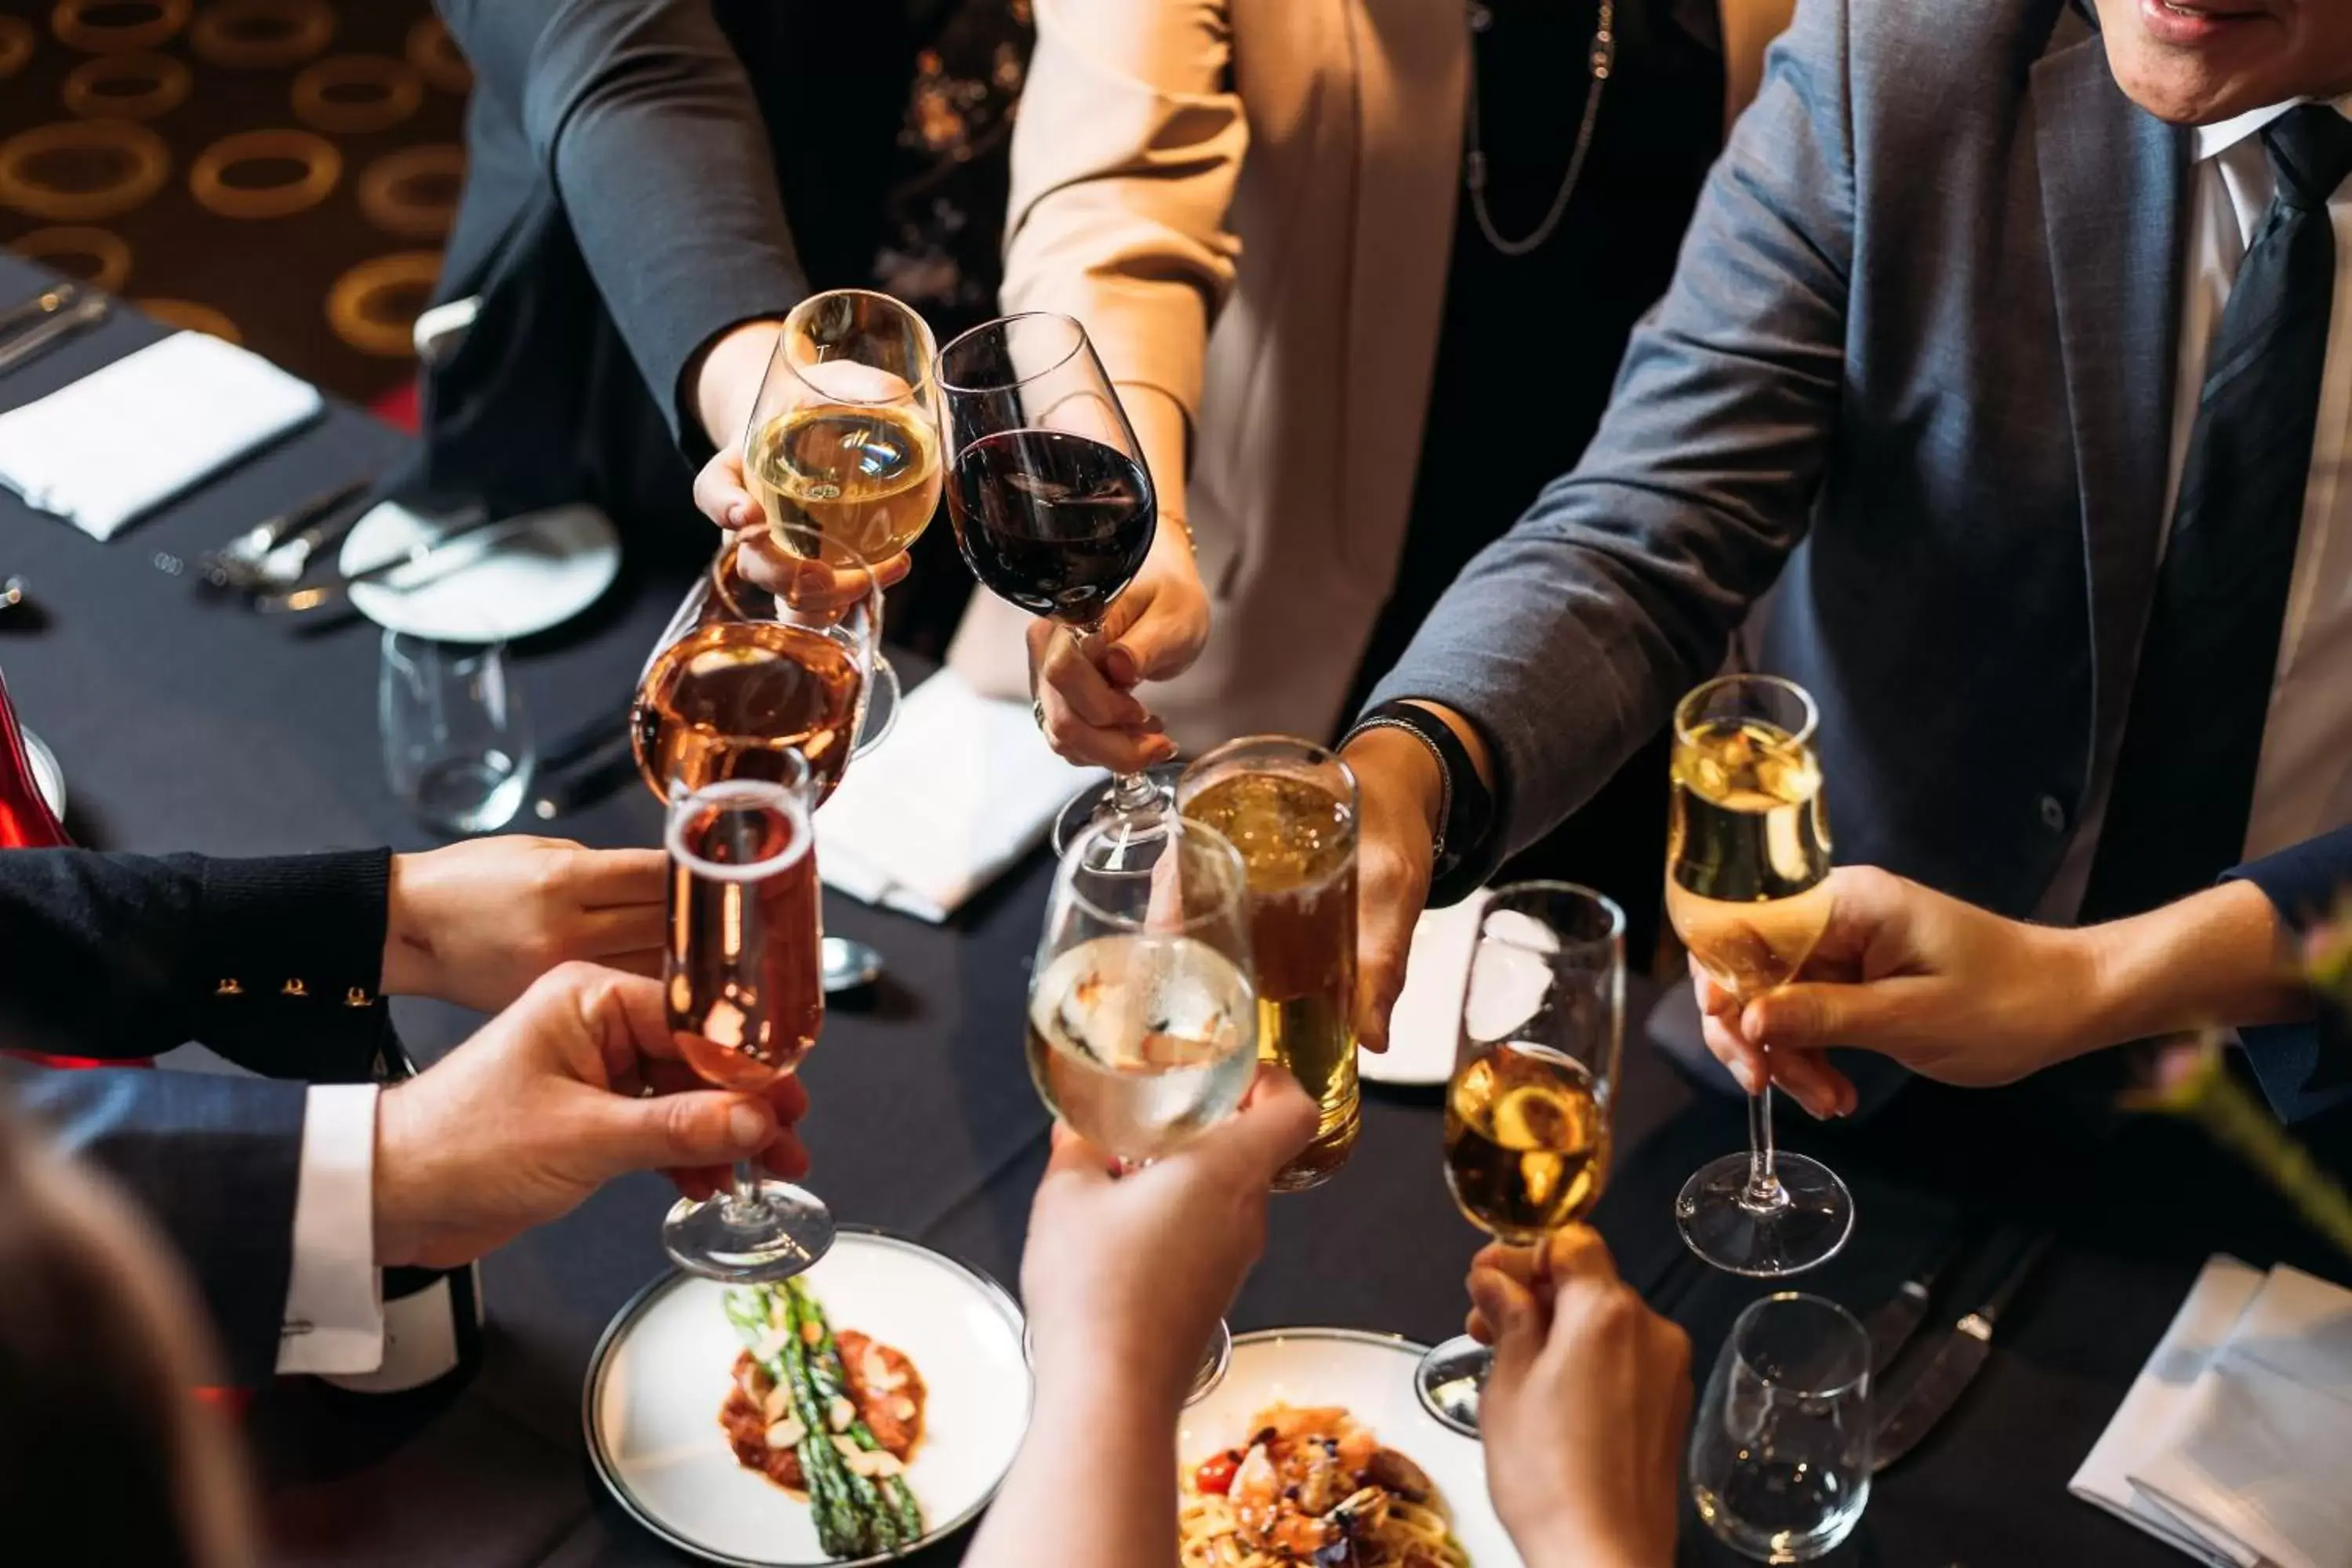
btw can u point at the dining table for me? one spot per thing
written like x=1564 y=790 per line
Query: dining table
x=184 y=722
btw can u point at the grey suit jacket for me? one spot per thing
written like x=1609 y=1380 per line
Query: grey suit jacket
x=1916 y=364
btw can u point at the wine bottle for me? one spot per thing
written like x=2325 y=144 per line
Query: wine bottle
x=432 y=1317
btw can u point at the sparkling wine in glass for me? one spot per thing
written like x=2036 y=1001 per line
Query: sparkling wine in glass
x=747 y=676
x=746 y=1001
x=1748 y=863
x=1142 y=1022
x=1528 y=1107
x=842 y=449
x=1053 y=508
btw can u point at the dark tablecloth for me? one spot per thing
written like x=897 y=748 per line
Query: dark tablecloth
x=185 y=725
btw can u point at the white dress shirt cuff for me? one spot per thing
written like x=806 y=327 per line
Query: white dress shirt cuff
x=334 y=1300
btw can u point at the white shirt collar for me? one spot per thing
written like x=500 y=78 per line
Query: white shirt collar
x=2212 y=141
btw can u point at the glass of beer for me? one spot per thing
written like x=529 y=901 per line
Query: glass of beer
x=745 y=1000
x=746 y=674
x=1142 y=1026
x=1748 y=861
x=842 y=451
x=1527 y=1110
x=1289 y=807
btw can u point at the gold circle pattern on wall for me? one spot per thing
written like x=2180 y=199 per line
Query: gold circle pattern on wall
x=110 y=252
x=189 y=316
x=322 y=167
x=262 y=35
x=155 y=23
x=17 y=42
x=366 y=307
x=434 y=55
x=323 y=102
x=140 y=158
x=94 y=90
x=397 y=192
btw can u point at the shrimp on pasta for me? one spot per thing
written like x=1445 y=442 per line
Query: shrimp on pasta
x=1312 y=1488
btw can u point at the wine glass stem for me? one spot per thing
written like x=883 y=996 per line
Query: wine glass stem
x=1764 y=1189
x=744 y=1203
x=1132 y=794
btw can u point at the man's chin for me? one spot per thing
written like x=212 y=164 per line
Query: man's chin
x=2200 y=64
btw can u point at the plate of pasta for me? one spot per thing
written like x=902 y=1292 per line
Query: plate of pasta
x=1313 y=1452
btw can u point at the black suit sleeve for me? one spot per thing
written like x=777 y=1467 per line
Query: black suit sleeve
x=2304 y=1069
x=642 y=116
x=216 y=1161
x=272 y=962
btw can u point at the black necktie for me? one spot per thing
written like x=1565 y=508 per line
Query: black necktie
x=2184 y=783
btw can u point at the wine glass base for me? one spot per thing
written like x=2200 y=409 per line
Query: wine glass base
x=786 y=1231
x=1808 y=1228
x=1094 y=804
x=1449 y=1380
x=848 y=965
x=1216 y=1358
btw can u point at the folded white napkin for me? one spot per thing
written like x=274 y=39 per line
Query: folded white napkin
x=125 y=440
x=2258 y=1455
x=2222 y=1290
x=963 y=787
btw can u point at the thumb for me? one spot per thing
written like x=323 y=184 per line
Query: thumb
x=1383 y=939
x=1510 y=1310
x=1270 y=1130
x=1155 y=648
x=698 y=1128
x=1816 y=1017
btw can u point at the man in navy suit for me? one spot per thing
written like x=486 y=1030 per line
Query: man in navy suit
x=2013 y=341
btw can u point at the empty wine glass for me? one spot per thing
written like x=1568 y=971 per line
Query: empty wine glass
x=1780 y=1455
x=456 y=744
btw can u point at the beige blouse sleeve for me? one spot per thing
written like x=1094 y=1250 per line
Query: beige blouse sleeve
x=1125 y=156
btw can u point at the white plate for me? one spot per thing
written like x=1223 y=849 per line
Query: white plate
x=48 y=776
x=660 y=1373
x=1372 y=1374
x=1428 y=1012
x=526 y=581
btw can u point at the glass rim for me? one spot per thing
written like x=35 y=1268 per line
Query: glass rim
x=1802 y=736
x=1066 y=876
x=997 y=323
x=791 y=799
x=730 y=547
x=1735 y=1345
x=1314 y=753
x=925 y=372
x=1615 y=938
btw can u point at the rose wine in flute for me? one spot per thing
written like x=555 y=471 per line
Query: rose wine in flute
x=1748 y=864
x=1297 y=840
x=866 y=477
x=734 y=698
x=1527 y=1142
x=1139 y=1041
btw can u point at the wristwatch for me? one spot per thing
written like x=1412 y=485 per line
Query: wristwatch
x=1465 y=807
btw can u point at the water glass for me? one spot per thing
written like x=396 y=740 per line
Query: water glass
x=456 y=744
x=1780 y=1456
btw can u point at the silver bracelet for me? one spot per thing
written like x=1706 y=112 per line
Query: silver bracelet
x=1444 y=776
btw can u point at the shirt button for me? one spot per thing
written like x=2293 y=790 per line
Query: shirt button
x=2053 y=814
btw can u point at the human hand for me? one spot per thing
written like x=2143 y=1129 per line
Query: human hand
x=1952 y=992
x=1398 y=792
x=477 y=921
x=1154 y=630
x=1585 y=1412
x=1125 y=1275
x=577 y=1083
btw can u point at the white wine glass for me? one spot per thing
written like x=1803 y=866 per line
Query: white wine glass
x=1748 y=864
x=1143 y=1020
x=1534 y=1072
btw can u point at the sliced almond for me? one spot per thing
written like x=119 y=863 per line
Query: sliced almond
x=786 y=1433
x=840 y=1413
x=903 y=1407
x=778 y=1404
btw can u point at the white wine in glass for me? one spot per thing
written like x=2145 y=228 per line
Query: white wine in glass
x=1748 y=864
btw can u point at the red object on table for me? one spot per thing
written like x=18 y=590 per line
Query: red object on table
x=27 y=823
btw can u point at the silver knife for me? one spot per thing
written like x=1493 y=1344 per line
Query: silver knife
x=447 y=555
x=1896 y=1319
x=1942 y=1382
x=50 y=329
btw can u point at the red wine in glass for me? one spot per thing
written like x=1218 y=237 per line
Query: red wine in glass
x=1057 y=523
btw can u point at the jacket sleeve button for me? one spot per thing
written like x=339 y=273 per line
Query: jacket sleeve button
x=2053 y=814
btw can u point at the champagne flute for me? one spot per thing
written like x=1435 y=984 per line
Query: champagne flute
x=1142 y=1022
x=1747 y=862
x=1053 y=508
x=745 y=1000
x=1527 y=1110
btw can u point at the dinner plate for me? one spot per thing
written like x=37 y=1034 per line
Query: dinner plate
x=661 y=1372
x=1428 y=1012
x=1371 y=1375
x=531 y=572
x=48 y=776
